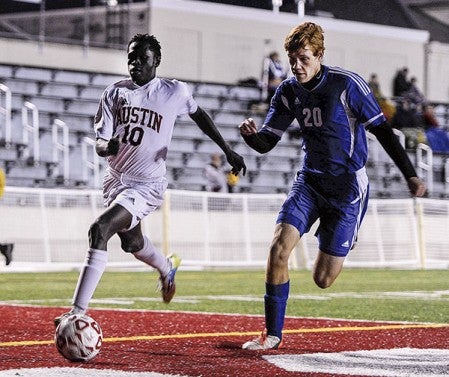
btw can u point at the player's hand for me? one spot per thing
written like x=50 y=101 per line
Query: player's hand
x=113 y=146
x=236 y=161
x=416 y=186
x=248 y=127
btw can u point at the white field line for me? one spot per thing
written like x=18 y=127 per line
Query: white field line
x=78 y=372
x=126 y=301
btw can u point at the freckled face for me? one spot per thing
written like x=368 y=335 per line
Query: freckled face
x=304 y=65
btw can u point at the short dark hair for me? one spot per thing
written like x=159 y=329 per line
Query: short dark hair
x=150 y=40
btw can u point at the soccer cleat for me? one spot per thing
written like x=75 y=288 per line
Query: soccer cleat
x=6 y=250
x=58 y=319
x=263 y=342
x=167 y=284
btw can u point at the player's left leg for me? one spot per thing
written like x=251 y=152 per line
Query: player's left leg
x=296 y=216
x=133 y=241
x=277 y=287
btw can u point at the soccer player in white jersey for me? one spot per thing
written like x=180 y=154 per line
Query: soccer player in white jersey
x=134 y=126
x=333 y=107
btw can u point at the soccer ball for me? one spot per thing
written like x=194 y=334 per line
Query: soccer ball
x=78 y=337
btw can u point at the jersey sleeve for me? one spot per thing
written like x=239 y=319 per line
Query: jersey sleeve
x=363 y=103
x=104 y=118
x=280 y=115
x=188 y=103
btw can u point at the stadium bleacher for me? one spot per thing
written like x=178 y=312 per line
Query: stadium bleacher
x=72 y=97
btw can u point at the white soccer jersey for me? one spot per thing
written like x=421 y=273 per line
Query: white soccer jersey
x=142 y=118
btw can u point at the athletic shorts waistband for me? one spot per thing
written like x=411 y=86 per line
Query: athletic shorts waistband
x=131 y=178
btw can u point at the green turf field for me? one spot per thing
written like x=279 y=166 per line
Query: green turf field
x=372 y=294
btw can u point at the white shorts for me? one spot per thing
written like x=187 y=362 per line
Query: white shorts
x=139 y=197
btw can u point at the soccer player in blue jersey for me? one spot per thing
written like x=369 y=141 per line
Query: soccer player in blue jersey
x=334 y=108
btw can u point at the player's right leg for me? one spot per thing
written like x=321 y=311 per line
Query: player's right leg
x=104 y=227
x=147 y=253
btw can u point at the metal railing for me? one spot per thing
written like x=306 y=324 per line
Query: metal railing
x=5 y=111
x=91 y=161
x=31 y=127
x=60 y=142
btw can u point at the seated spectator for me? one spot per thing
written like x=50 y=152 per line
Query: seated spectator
x=429 y=118
x=400 y=83
x=414 y=95
x=405 y=116
x=409 y=122
x=217 y=181
x=438 y=140
x=437 y=137
x=385 y=104
x=375 y=86
x=274 y=73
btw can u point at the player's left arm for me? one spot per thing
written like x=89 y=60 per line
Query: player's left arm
x=207 y=125
x=389 y=141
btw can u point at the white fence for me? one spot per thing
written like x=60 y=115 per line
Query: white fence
x=49 y=229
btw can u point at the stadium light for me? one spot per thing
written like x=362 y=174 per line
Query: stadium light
x=301 y=8
x=276 y=5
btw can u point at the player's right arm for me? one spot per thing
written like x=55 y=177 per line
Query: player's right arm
x=260 y=142
x=107 y=147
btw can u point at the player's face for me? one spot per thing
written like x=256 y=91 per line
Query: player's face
x=304 y=64
x=142 y=63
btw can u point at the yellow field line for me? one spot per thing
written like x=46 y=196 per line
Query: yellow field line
x=247 y=333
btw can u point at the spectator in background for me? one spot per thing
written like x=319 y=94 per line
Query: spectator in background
x=429 y=118
x=414 y=94
x=400 y=83
x=409 y=121
x=387 y=107
x=274 y=74
x=437 y=138
x=217 y=180
x=5 y=248
x=405 y=116
x=375 y=86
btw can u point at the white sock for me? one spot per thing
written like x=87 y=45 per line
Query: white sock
x=154 y=258
x=94 y=266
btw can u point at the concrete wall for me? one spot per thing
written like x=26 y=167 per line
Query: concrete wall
x=220 y=43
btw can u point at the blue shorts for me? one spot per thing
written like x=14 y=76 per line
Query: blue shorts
x=339 y=202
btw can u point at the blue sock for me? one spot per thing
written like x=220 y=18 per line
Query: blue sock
x=275 y=304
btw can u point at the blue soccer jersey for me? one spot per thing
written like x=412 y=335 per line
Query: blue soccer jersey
x=332 y=116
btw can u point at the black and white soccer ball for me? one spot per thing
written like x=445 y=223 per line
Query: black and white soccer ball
x=78 y=337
